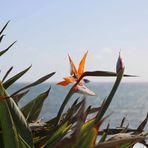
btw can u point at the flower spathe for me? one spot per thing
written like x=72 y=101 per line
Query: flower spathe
x=120 y=63
x=75 y=75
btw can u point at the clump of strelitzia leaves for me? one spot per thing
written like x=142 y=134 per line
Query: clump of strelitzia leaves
x=20 y=127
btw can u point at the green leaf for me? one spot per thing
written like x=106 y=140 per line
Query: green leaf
x=19 y=96
x=4 y=27
x=17 y=117
x=57 y=135
x=20 y=122
x=51 y=121
x=88 y=141
x=142 y=125
x=10 y=81
x=86 y=126
x=85 y=130
x=69 y=142
x=5 y=50
x=32 y=110
x=122 y=122
x=70 y=93
x=9 y=133
x=93 y=110
x=74 y=108
x=7 y=73
x=22 y=143
x=1 y=38
x=1 y=141
x=104 y=135
x=39 y=81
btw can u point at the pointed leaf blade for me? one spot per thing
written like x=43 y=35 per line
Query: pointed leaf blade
x=58 y=134
x=1 y=38
x=4 y=27
x=32 y=110
x=19 y=96
x=7 y=73
x=10 y=110
x=5 y=50
x=39 y=81
x=10 y=81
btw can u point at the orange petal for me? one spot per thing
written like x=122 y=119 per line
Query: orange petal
x=73 y=70
x=63 y=83
x=81 y=65
x=69 y=79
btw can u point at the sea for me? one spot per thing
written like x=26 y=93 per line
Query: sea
x=130 y=101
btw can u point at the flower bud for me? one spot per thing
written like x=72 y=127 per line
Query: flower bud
x=120 y=64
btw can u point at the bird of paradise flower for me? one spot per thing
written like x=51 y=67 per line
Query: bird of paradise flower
x=75 y=75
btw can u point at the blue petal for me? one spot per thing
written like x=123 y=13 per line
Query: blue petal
x=86 y=80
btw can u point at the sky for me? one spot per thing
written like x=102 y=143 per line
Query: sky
x=47 y=30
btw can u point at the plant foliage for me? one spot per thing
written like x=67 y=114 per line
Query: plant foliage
x=22 y=128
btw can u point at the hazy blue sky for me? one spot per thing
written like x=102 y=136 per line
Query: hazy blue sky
x=47 y=30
